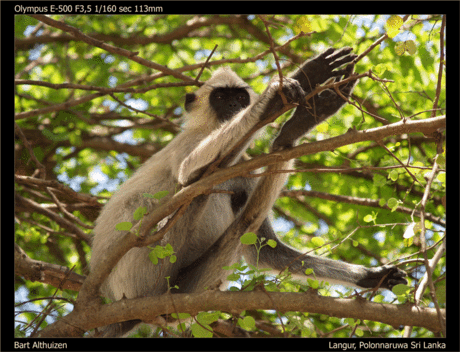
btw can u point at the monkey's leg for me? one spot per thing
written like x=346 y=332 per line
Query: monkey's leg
x=333 y=271
x=208 y=270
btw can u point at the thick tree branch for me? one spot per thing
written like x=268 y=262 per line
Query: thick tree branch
x=148 y=308
x=52 y=274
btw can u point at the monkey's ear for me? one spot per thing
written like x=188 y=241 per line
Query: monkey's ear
x=189 y=98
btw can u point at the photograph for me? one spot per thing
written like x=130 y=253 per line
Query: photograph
x=229 y=175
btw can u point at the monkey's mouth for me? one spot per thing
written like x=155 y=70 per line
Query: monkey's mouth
x=230 y=113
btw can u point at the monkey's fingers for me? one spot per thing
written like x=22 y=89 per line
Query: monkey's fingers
x=395 y=277
x=324 y=55
x=393 y=282
x=345 y=72
x=331 y=55
x=343 y=61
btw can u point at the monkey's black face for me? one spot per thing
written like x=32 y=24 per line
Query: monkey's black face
x=227 y=102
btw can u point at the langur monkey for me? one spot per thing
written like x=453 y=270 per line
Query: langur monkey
x=217 y=115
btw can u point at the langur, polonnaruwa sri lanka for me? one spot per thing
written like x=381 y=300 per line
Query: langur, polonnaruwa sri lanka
x=217 y=115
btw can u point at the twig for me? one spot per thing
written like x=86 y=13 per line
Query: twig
x=206 y=63
x=441 y=66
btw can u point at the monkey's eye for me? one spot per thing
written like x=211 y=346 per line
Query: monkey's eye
x=219 y=96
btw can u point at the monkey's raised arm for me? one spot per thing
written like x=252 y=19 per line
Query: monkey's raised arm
x=223 y=139
x=315 y=71
x=319 y=108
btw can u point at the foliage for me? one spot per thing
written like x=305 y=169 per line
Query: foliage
x=94 y=145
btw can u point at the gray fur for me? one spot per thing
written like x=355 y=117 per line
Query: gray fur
x=199 y=238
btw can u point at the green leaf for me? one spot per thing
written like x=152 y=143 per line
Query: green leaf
x=248 y=238
x=233 y=277
x=272 y=243
x=392 y=26
x=317 y=241
x=160 y=194
x=181 y=315
x=207 y=317
x=411 y=47
x=313 y=283
x=368 y=218
x=124 y=226
x=302 y=24
x=401 y=289
x=393 y=203
x=139 y=213
x=153 y=257
x=199 y=331
x=393 y=175
x=247 y=323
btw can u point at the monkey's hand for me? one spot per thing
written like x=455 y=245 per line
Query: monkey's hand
x=323 y=67
x=271 y=101
x=316 y=110
x=390 y=274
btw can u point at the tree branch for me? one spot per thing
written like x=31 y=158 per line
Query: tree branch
x=52 y=274
x=425 y=126
x=148 y=308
